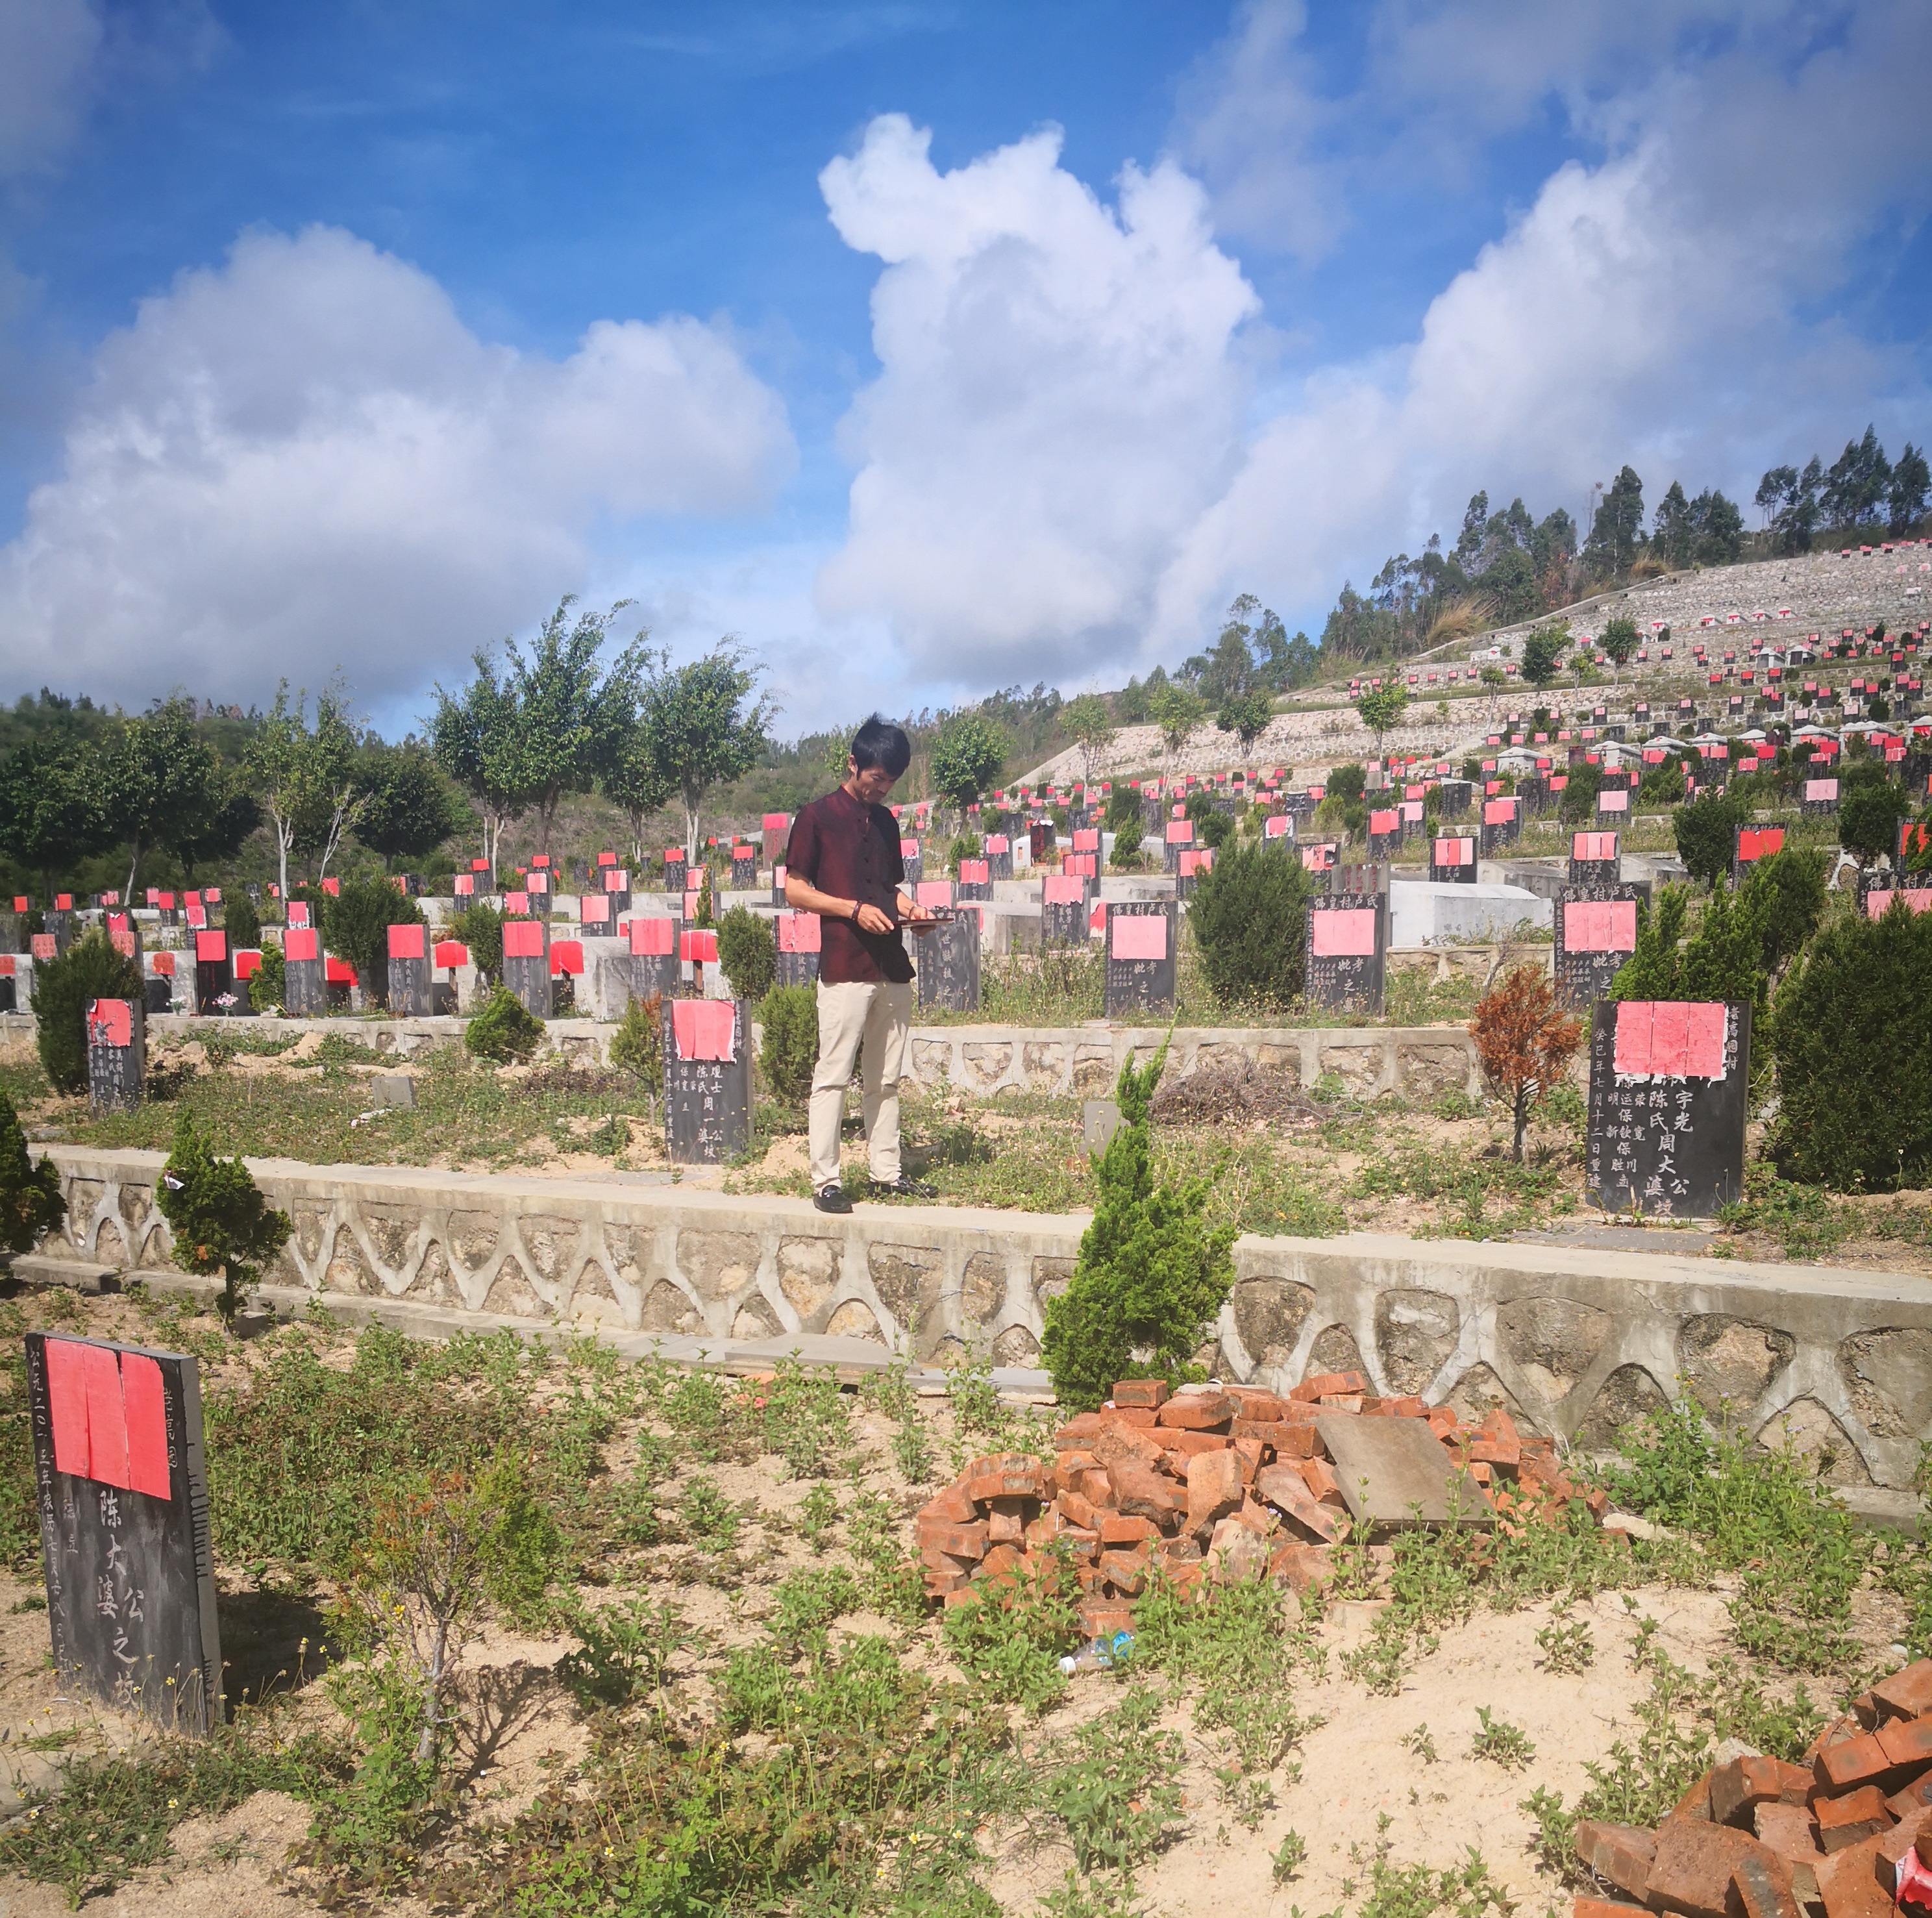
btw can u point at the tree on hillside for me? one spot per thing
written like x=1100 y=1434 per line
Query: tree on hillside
x=1525 y=1041
x=53 y=806
x=704 y=727
x=628 y=773
x=1789 y=501
x=1543 y=654
x=1674 y=537
x=472 y=736
x=218 y=832
x=1177 y=710
x=1618 y=528
x=1381 y=709
x=406 y=810
x=1906 y=497
x=305 y=776
x=1618 y=640
x=1247 y=715
x=1857 y=486
x=161 y=781
x=1086 y=722
x=968 y=757
x=1704 y=831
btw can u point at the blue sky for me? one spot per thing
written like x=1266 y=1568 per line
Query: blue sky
x=925 y=348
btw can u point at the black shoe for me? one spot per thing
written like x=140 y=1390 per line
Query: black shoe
x=903 y=1187
x=832 y=1198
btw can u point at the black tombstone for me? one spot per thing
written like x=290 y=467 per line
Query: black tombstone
x=1177 y=839
x=976 y=880
x=213 y=975
x=1595 y=932
x=999 y=860
x=948 y=961
x=409 y=971
x=1066 y=902
x=1452 y=860
x=10 y=983
x=1820 y=798
x=1140 y=961
x=121 y=1483
x=1385 y=833
x=597 y=915
x=744 y=868
x=1346 y=943
x=674 y=869
x=779 y=885
x=654 y=959
x=1456 y=797
x=526 y=963
x=1596 y=859
x=60 y=925
x=117 y=1053
x=707 y=1080
x=304 y=973
x=800 y=935
x=1502 y=823
x=913 y=860
x=1668 y=1085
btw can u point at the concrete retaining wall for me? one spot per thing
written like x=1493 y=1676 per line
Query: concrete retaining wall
x=1574 y=1342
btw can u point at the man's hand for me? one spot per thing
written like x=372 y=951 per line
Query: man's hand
x=870 y=919
x=921 y=918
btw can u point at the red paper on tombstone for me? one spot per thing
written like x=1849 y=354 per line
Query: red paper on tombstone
x=613 y=879
x=1061 y=890
x=298 y=942
x=566 y=956
x=973 y=872
x=1600 y=925
x=517 y=903
x=654 y=935
x=45 y=946
x=106 y=1417
x=522 y=939
x=996 y=843
x=594 y=909
x=1499 y=812
x=1179 y=832
x=1275 y=825
x=1087 y=839
x=1140 y=935
x=1388 y=821
x=451 y=952
x=211 y=948
x=110 y=1022
x=1617 y=801
x=800 y=932
x=933 y=892
x=1450 y=852
x=704 y=1028
x=408 y=942
x=1670 y=1038
x=145 y=1422
x=1345 y=932
x=1917 y=898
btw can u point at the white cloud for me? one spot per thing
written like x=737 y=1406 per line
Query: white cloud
x=304 y=458
x=1058 y=398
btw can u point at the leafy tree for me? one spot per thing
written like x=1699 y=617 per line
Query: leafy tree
x=748 y=950
x=1618 y=641
x=162 y=781
x=1579 y=795
x=1787 y=893
x=479 y=927
x=1150 y=1276
x=240 y=920
x=1905 y=496
x=1543 y=654
x=1618 y=528
x=1132 y=703
x=967 y=757
x=1789 y=501
x=1721 y=529
x=1086 y=720
x=1851 y=1036
x=702 y=726
x=1870 y=807
x=303 y=775
x=53 y=806
x=206 y=837
x=91 y=968
x=1524 y=1042
x=552 y=748
x=219 y=1221
x=1247 y=916
x=1247 y=715
x=1177 y=710
x=355 y=924
x=1705 y=831
x=1381 y=709
x=406 y=810
x=1857 y=486
x=472 y=736
x=31 y=1204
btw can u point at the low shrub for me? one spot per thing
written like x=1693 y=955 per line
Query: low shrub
x=965 y=846
x=241 y=921
x=505 y=1028
x=1851 y=1037
x=480 y=927
x=1248 y=917
x=1705 y=830
x=219 y=1221
x=269 y=982
x=1870 y=807
x=747 y=950
x=90 y=968
x=637 y=1044
x=1126 y=854
x=1579 y=795
x=31 y=1204
x=788 y=1053
x=355 y=927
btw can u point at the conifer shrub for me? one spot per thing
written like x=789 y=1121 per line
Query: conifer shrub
x=355 y=924
x=788 y=1051
x=90 y=968
x=638 y=1045
x=1705 y=832
x=219 y=1221
x=747 y=950
x=31 y=1201
x=1870 y=804
x=269 y=981
x=1151 y=1276
x=1247 y=916
x=1851 y=1040
x=480 y=927
x=1579 y=795
x=504 y=1029
x=1723 y=957
x=1126 y=856
x=241 y=921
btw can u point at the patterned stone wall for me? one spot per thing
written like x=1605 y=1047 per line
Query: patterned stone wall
x=1574 y=1342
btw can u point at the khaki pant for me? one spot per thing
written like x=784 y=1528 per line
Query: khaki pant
x=876 y=1018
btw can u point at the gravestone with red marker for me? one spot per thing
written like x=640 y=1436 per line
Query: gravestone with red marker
x=913 y=859
x=778 y=884
x=117 y=1053
x=707 y=1080
x=409 y=972
x=12 y=997
x=1879 y=891
x=654 y=961
x=1346 y=945
x=777 y=836
x=58 y=926
x=121 y=1482
x=614 y=883
x=526 y=963
x=1668 y=1085
x=1139 y=937
x=1177 y=838
x=214 y=994
x=1532 y=796
x=1385 y=833
x=674 y=865
x=1278 y=829
x=975 y=879
x=744 y=866
x=123 y=934
x=999 y=860
x=1595 y=932
x=1613 y=803
x=1452 y=860
x=1502 y=823
x=304 y=978
x=1195 y=860
x=1750 y=844
x=596 y=917
x=1066 y=904
x=463 y=889
x=1318 y=856
x=800 y=935
x=1596 y=859
x=947 y=960
x=1458 y=796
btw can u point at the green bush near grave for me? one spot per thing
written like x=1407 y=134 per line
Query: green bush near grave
x=1851 y=1036
x=1870 y=804
x=1705 y=832
x=1248 y=917
x=219 y=1221
x=355 y=927
x=480 y=927
x=747 y=950
x=1579 y=795
x=505 y=1028
x=90 y=968
x=637 y=1044
x=1126 y=855
x=31 y=1204
x=788 y=1053
x=269 y=982
x=241 y=921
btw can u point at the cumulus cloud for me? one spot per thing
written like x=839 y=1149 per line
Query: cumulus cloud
x=1058 y=398
x=304 y=458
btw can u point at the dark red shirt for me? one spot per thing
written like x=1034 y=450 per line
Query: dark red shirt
x=844 y=847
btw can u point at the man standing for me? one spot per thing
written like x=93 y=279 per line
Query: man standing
x=843 y=863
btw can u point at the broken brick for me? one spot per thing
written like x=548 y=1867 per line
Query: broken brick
x=1214 y=1489
x=1012 y=1482
x=1103 y=1619
x=1786 y=1829
x=999 y=1559
x=962 y=1542
x=1143 y=1493
x=1340 y=1402
x=1237 y=1553
x=1248 y=1451
x=1284 y=1488
x=952 y=1507
x=1151 y=1393
x=1407 y=1407
x=1853 y=1761
x=1853 y=1816
x=1848 y=1884
x=1691 y=1872
x=1910 y=1798
x=1622 y=1854
x=1301 y=1567
x=1907 y=1693
x=1005 y=1528
x=1293 y=1441
x=1322 y=1484
x=1262 y=1407
x=1118 y=1528
x=1761 y=1887
x=1737 y=1788
x=1142 y=1415
x=1197 y=1411
x=1906 y=1741
x=1915 y=1832
x=1190 y=1445
x=1078 y=1508
x=1601 y=1907
x=1325 y=1385
x=1127 y=1571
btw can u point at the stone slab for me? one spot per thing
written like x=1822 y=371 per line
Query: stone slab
x=1396 y=1472
x=79 y=1274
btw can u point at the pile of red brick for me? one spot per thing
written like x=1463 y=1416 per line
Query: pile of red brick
x=1227 y=1482
x=1850 y=1829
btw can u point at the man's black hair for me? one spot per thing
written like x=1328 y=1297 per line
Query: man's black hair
x=879 y=742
